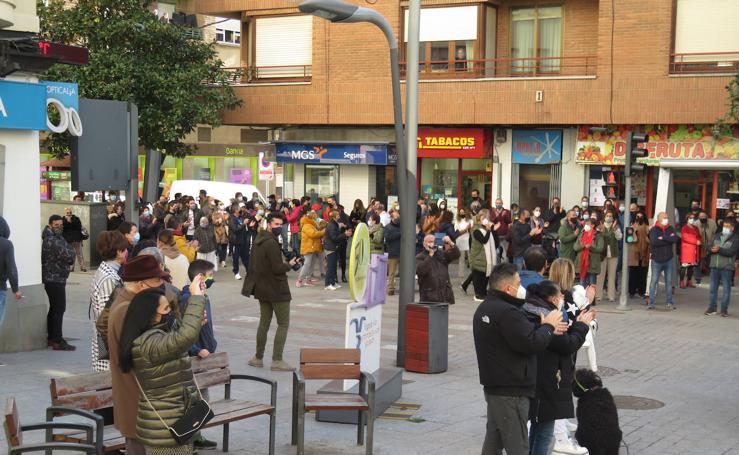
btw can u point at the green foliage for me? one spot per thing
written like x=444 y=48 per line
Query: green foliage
x=177 y=82
x=724 y=125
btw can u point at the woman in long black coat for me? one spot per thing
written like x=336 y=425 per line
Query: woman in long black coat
x=72 y=233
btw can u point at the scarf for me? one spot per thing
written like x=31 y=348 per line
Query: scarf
x=170 y=251
x=490 y=255
x=586 y=240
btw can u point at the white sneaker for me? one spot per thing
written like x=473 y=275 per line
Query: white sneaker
x=478 y=300
x=337 y=286
x=571 y=427
x=568 y=447
x=237 y=276
x=223 y=264
x=330 y=288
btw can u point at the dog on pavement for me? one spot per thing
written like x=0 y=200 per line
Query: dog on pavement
x=597 y=417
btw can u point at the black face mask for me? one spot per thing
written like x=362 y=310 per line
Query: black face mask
x=704 y=220
x=527 y=219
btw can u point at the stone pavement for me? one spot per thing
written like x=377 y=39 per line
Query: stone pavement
x=682 y=358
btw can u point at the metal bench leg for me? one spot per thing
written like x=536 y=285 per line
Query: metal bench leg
x=272 y=422
x=225 y=437
x=301 y=423
x=294 y=436
x=370 y=429
x=360 y=428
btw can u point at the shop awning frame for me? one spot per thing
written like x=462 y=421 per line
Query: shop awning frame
x=700 y=164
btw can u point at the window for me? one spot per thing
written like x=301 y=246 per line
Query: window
x=321 y=181
x=228 y=32
x=284 y=46
x=706 y=36
x=204 y=134
x=439 y=177
x=448 y=39
x=536 y=33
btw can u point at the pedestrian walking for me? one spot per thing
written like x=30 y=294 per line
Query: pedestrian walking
x=722 y=262
x=113 y=250
x=662 y=239
x=506 y=343
x=266 y=281
x=56 y=258
x=72 y=233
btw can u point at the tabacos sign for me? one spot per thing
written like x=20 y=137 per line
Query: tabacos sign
x=331 y=153
x=453 y=142
x=674 y=142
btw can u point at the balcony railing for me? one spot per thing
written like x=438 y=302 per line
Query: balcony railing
x=270 y=74
x=507 y=67
x=705 y=63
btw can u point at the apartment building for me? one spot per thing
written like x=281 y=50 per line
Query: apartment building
x=508 y=91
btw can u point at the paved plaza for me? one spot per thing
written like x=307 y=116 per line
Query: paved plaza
x=683 y=359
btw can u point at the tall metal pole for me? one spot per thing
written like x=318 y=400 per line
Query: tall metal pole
x=408 y=174
x=623 y=303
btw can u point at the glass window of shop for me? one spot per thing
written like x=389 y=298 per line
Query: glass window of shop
x=533 y=190
x=321 y=181
x=239 y=170
x=386 y=183
x=196 y=168
x=439 y=177
x=728 y=193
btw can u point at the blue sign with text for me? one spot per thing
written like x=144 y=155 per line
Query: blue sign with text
x=22 y=106
x=537 y=146
x=331 y=153
x=65 y=92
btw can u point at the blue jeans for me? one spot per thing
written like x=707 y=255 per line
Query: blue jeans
x=518 y=260
x=724 y=276
x=657 y=269
x=540 y=437
x=588 y=279
x=241 y=252
x=3 y=295
x=332 y=259
x=295 y=242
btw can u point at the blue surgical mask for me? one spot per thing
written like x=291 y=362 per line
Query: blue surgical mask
x=136 y=238
x=277 y=231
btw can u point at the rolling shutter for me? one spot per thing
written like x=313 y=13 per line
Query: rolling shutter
x=284 y=46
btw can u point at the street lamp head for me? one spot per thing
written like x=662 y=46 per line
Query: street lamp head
x=332 y=10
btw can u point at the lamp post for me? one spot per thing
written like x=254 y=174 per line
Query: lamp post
x=341 y=12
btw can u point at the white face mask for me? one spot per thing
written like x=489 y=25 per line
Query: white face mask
x=521 y=293
x=665 y=222
x=584 y=204
x=537 y=213
x=561 y=304
x=587 y=228
x=586 y=217
x=726 y=231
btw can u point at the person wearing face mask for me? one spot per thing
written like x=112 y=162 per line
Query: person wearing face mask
x=192 y=217
x=695 y=207
x=392 y=246
x=690 y=243
x=553 y=216
x=376 y=234
x=503 y=218
x=554 y=365
x=638 y=256
x=113 y=250
x=722 y=261
x=115 y=217
x=568 y=233
x=577 y=211
x=266 y=281
x=72 y=233
x=612 y=236
x=205 y=234
x=220 y=231
x=432 y=269
x=138 y=274
x=482 y=255
x=56 y=258
x=589 y=247
x=584 y=202
x=146 y=223
x=506 y=344
x=462 y=227
x=154 y=353
x=310 y=247
x=522 y=233
x=131 y=232
x=662 y=239
x=335 y=235
x=708 y=229
x=536 y=222
x=176 y=262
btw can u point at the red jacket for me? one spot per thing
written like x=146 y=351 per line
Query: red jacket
x=504 y=218
x=294 y=219
x=689 y=249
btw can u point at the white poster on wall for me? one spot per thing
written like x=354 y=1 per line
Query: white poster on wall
x=362 y=331
x=597 y=198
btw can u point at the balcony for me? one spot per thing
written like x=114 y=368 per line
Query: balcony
x=506 y=68
x=270 y=74
x=705 y=63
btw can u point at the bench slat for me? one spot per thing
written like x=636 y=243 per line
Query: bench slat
x=334 y=402
x=317 y=371
x=112 y=439
x=213 y=378
x=80 y=383
x=88 y=401
x=239 y=415
x=212 y=362
x=231 y=405
x=322 y=355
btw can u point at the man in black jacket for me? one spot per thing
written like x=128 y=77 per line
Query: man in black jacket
x=266 y=280
x=507 y=343
x=521 y=233
x=662 y=239
x=392 y=247
x=8 y=270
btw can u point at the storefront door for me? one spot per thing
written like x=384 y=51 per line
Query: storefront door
x=689 y=185
x=475 y=180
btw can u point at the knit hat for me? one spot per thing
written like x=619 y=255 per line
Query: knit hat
x=142 y=268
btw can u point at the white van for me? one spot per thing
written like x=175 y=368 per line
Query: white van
x=223 y=191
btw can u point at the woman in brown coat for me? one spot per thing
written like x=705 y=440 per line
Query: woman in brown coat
x=639 y=256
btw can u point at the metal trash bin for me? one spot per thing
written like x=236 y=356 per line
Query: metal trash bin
x=427 y=337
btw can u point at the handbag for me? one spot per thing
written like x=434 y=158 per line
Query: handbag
x=185 y=428
x=85 y=234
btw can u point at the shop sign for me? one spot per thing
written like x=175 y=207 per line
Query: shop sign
x=673 y=142
x=59 y=175
x=331 y=153
x=537 y=146
x=22 y=106
x=64 y=96
x=453 y=143
x=266 y=168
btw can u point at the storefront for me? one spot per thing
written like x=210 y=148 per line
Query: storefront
x=716 y=189
x=345 y=170
x=452 y=162
x=536 y=156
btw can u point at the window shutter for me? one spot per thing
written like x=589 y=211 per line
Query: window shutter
x=707 y=26
x=458 y=23
x=284 y=46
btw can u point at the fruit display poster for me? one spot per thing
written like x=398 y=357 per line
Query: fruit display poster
x=675 y=142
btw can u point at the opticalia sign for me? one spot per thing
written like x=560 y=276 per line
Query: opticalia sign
x=454 y=143
x=288 y=152
x=674 y=142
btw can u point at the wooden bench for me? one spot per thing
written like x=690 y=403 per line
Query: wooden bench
x=333 y=364
x=91 y=392
x=14 y=434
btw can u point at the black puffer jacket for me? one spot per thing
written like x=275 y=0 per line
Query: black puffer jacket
x=72 y=229
x=56 y=257
x=555 y=367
